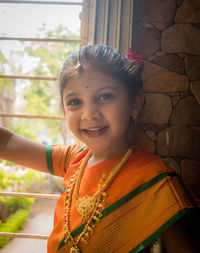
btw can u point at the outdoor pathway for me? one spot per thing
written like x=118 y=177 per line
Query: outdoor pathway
x=39 y=222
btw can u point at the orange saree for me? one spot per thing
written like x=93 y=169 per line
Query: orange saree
x=143 y=201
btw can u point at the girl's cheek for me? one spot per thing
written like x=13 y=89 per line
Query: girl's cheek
x=71 y=119
x=68 y=117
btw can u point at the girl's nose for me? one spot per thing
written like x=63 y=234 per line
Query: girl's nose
x=91 y=113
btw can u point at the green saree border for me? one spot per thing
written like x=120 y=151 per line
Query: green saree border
x=81 y=149
x=122 y=201
x=49 y=159
x=159 y=232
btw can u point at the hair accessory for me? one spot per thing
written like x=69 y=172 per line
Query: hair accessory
x=79 y=66
x=136 y=60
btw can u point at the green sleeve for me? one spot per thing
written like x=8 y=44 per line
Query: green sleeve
x=49 y=159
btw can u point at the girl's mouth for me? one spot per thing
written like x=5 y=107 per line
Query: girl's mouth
x=94 y=131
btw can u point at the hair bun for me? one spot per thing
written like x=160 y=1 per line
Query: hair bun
x=136 y=60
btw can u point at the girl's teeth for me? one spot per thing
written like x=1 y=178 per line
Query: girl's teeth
x=93 y=129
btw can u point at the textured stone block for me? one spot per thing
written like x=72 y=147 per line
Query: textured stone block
x=181 y=38
x=154 y=10
x=187 y=112
x=173 y=164
x=161 y=26
x=190 y=171
x=157 y=109
x=179 y=141
x=141 y=141
x=141 y=46
x=151 y=135
x=175 y=100
x=154 y=127
x=171 y=62
x=158 y=79
x=192 y=66
x=161 y=53
x=188 y=12
x=197 y=128
x=179 y=2
x=155 y=32
x=195 y=88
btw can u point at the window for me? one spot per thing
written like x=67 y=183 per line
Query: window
x=108 y=22
x=30 y=59
x=102 y=21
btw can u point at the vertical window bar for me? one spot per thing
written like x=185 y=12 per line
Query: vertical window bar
x=105 y=36
x=119 y=8
x=130 y=24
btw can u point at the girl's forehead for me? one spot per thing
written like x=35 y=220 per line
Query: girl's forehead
x=91 y=78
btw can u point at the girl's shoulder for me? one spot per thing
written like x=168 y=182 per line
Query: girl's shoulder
x=59 y=157
x=149 y=161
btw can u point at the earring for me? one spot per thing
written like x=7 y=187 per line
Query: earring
x=134 y=115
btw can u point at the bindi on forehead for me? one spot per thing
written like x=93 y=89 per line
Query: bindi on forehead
x=86 y=87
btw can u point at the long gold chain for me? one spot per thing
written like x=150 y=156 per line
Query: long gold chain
x=86 y=204
x=89 y=207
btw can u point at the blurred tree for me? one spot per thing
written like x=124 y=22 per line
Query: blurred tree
x=6 y=92
x=42 y=97
x=38 y=97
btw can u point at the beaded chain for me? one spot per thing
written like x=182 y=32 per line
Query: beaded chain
x=89 y=207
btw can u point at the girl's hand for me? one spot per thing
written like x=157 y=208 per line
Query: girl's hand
x=22 y=151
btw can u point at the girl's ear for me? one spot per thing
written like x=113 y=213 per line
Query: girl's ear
x=137 y=103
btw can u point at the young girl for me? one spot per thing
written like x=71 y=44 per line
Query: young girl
x=117 y=198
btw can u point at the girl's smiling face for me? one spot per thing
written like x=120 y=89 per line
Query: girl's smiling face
x=98 y=109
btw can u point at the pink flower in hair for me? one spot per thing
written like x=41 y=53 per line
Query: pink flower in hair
x=135 y=59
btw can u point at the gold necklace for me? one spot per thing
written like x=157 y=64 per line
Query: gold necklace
x=89 y=207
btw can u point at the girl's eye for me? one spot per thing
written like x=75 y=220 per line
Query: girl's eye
x=73 y=102
x=104 y=97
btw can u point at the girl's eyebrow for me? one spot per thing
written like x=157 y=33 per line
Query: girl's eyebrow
x=107 y=87
x=100 y=89
x=70 y=95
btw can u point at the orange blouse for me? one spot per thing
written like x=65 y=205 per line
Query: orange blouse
x=144 y=200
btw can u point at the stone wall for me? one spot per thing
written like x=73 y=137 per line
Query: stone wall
x=167 y=36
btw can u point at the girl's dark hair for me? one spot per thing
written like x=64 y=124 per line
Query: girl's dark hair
x=104 y=59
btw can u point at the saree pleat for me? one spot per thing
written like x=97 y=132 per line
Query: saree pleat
x=124 y=229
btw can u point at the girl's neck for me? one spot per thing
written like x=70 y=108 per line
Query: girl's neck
x=114 y=152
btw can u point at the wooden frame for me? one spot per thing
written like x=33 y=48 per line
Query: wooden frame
x=108 y=22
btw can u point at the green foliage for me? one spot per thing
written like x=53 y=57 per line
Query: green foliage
x=7 y=180
x=2 y=58
x=22 y=128
x=6 y=163
x=15 y=203
x=40 y=97
x=57 y=186
x=43 y=96
x=13 y=225
x=5 y=83
x=31 y=181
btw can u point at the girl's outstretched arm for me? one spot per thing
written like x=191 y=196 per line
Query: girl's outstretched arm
x=22 y=151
